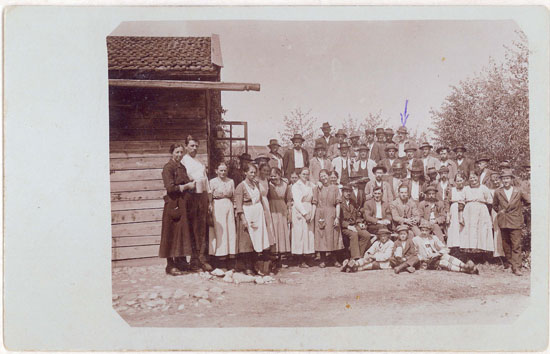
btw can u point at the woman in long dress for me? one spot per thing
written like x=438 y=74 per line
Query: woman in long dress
x=478 y=236
x=455 y=218
x=263 y=182
x=303 y=211
x=175 y=238
x=250 y=213
x=328 y=237
x=278 y=190
x=223 y=239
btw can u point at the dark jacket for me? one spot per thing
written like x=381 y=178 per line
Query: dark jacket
x=349 y=214
x=510 y=213
x=288 y=161
x=369 y=211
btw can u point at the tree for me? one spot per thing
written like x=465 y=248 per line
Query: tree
x=299 y=122
x=372 y=121
x=489 y=113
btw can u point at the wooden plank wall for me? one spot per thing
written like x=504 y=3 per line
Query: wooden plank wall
x=143 y=125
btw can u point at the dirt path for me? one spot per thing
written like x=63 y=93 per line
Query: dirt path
x=145 y=296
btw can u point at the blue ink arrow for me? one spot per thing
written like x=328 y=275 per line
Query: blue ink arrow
x=404 y=115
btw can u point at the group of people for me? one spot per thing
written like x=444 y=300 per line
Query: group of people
x=358 y=206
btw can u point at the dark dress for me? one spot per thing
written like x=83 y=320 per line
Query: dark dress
x=175 y=239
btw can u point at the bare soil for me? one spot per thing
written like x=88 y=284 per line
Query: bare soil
x=144 y=296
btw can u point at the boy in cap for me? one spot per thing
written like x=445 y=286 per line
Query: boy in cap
x=355 y=235
x=296 y=158
x=319 y=162
x=463 y=164
x=276 y=158
x=433 y=254
x=508 y=202
x=377 y=256
x=444 y=161
x=404 y=255
x=433 y=211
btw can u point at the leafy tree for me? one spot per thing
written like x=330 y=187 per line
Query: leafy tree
x=299 y=122
x=489 y=113
x=372 y=120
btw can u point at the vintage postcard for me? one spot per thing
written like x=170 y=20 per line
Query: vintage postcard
x=308 y=178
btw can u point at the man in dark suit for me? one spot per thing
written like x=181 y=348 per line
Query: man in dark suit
x=356 y=237
x=484 y=172
x=358 y=184
x=327 y=140
x=376 y=212
x=508 y=202
x=390 y=159
x=296 y=158
x=376 y=150
x=463 y=164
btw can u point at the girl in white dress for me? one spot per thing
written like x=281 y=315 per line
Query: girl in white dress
x=303 y=211
x=223 y=239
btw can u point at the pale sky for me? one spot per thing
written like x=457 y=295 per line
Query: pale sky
x=336 y=69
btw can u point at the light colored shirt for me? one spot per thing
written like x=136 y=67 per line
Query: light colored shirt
x=401 y=150
x=379 y=210
x=443 y=188
x=298 y=158
x=509 y=192
x=196 y=172
x=415 y=190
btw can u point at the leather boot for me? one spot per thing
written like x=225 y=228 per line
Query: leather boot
x=400 y=268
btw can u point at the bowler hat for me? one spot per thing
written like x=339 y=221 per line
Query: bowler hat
x=383 y=230
x=363 y=147
x=402 y=227
x=380 y=131
x=297 y=137
x=347 y=187
x=341 y=132
x=245 y=157
x=325 y=126
x=369 y=131
x=379 y=167
x=274 y=142
x=320 y=146
x=507 y=173
x=424 y=224
x=425 y=145
x=410 y=145
x=459 y=147
x=431 y=188
x=344 y=145
x=402 y=130
x=483 y=158
x=438 y=150
x=391 y=147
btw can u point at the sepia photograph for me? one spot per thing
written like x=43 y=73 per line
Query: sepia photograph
x=349 y=173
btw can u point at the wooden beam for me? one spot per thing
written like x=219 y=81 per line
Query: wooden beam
x=189 y=85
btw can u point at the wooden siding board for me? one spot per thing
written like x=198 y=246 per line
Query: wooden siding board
x=138 y=195
x=135 y=175
x=119 y=253
x=135 y=241
x=132 y=186
x=151 y=228
x=137 y=204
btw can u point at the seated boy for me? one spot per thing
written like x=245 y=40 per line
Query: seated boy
x=433 y=254
x=404 y=255
x=376 y=257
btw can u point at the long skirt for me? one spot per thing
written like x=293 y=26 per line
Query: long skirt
x=280 y=225
x=269 y=221
x=499 y=250
x=478 y=235
x=327 y=237
x=223 y=238
x=257 y=228
x=455 y=230
x=303 y=236
x=175 y=239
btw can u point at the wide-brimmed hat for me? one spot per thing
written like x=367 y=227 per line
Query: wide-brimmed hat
x=245 y=157
x=347 y=187
x=383 y=230
x=425 y=145
x=320 y=146
x=389 y=131
x=341 y=132
x=297 y=137
x=273 y=142
x=438 y=150
x=402 y=227
x=261 y=157
x=410 y=145
x=444 y=169
x=391 y=146
x=402 y=130
x=343 y=145
x=363 y=147
x=483 y=158
x=379 y=167
x=459 y=147
x=369 y=131
x=380 y=131
x=431 y=170
x=424 y=224
x=505 y=164
x=507 y=173
x=431 y=188
x=326 y=126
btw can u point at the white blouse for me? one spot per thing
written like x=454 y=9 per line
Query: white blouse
x=196 y=171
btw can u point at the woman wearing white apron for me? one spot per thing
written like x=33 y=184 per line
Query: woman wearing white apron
x=303 y=235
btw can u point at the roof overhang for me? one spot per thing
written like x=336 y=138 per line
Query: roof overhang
x=189 y=85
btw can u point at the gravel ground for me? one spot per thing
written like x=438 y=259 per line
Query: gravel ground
x=146 y=296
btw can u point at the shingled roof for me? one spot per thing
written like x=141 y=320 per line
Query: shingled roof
x=160 y=57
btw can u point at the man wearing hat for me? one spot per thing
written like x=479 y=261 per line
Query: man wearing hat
x=410 y=160
x=431 y=177
x=427 y=159
x=463 y=164
x=389 y=135
x=363 y=165
x=391 y=157
x=508 y=202
x=334 y=149
x=401 y=140
x=276 y=158
x=327 y=139
x=396 y=176
x=444 y=161
x=444 y=185
x=484 y=171
x=354 y=146
x=355 y=236
x=379 y=182
x=358 y=183
x=376 y=150
x=416 y=183
x=342 y=164
x=236 y=173
x=319 y=162
x=433 y=211
x=295 y=159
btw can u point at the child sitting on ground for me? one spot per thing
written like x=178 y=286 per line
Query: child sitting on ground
x=433 y=254
x=376 y=257
x=404 y=255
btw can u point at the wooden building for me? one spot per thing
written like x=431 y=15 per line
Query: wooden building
x=161 y=89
